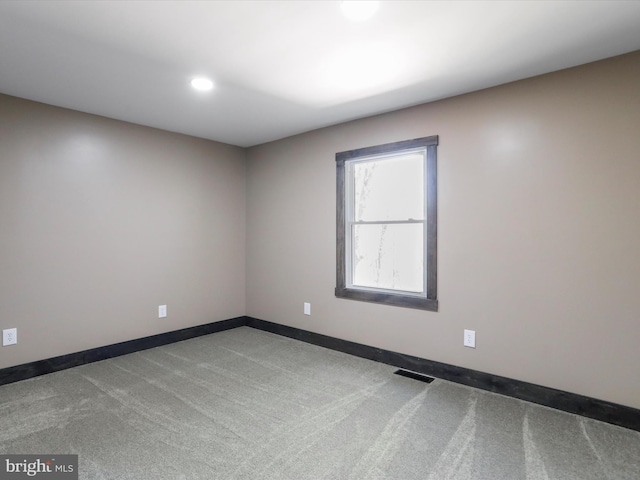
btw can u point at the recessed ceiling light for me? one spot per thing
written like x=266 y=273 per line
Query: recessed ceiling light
x=202 y=84
x=358 y=10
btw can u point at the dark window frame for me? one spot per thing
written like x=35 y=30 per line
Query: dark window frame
x=398 y=299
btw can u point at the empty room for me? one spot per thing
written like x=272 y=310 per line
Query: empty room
x=320 y=240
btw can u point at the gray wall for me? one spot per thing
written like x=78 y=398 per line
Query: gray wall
x=102 y=221
x=539 y=228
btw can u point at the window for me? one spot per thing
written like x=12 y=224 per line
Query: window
x=386 y=224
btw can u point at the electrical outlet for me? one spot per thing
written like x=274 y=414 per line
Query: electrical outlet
x=307 y=308
x=9 y=337
x=162 y=311
x=470 y=338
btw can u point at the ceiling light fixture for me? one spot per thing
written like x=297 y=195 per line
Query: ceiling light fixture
x=202 y=84
x=358 y=10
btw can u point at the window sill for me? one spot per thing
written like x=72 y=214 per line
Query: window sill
x=429 y=304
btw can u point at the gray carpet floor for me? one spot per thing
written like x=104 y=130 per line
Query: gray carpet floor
x=245 y=404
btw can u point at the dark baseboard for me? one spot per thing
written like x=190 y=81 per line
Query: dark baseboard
x=50 y=365
x=604 y=411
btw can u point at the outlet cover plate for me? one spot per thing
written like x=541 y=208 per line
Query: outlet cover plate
x=470 y=338
x=307 y=308
x=162 y=311
x=9 y=337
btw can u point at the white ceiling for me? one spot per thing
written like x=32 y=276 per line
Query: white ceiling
x=285 y=67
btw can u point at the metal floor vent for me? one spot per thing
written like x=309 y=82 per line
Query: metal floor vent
x=414 y=375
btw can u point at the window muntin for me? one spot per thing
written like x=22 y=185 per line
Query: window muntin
x=386 y=224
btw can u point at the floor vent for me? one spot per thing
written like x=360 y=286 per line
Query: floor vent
x=414 y=375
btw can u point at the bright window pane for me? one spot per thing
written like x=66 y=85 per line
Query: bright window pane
x=389 y=189
x=388 y=256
